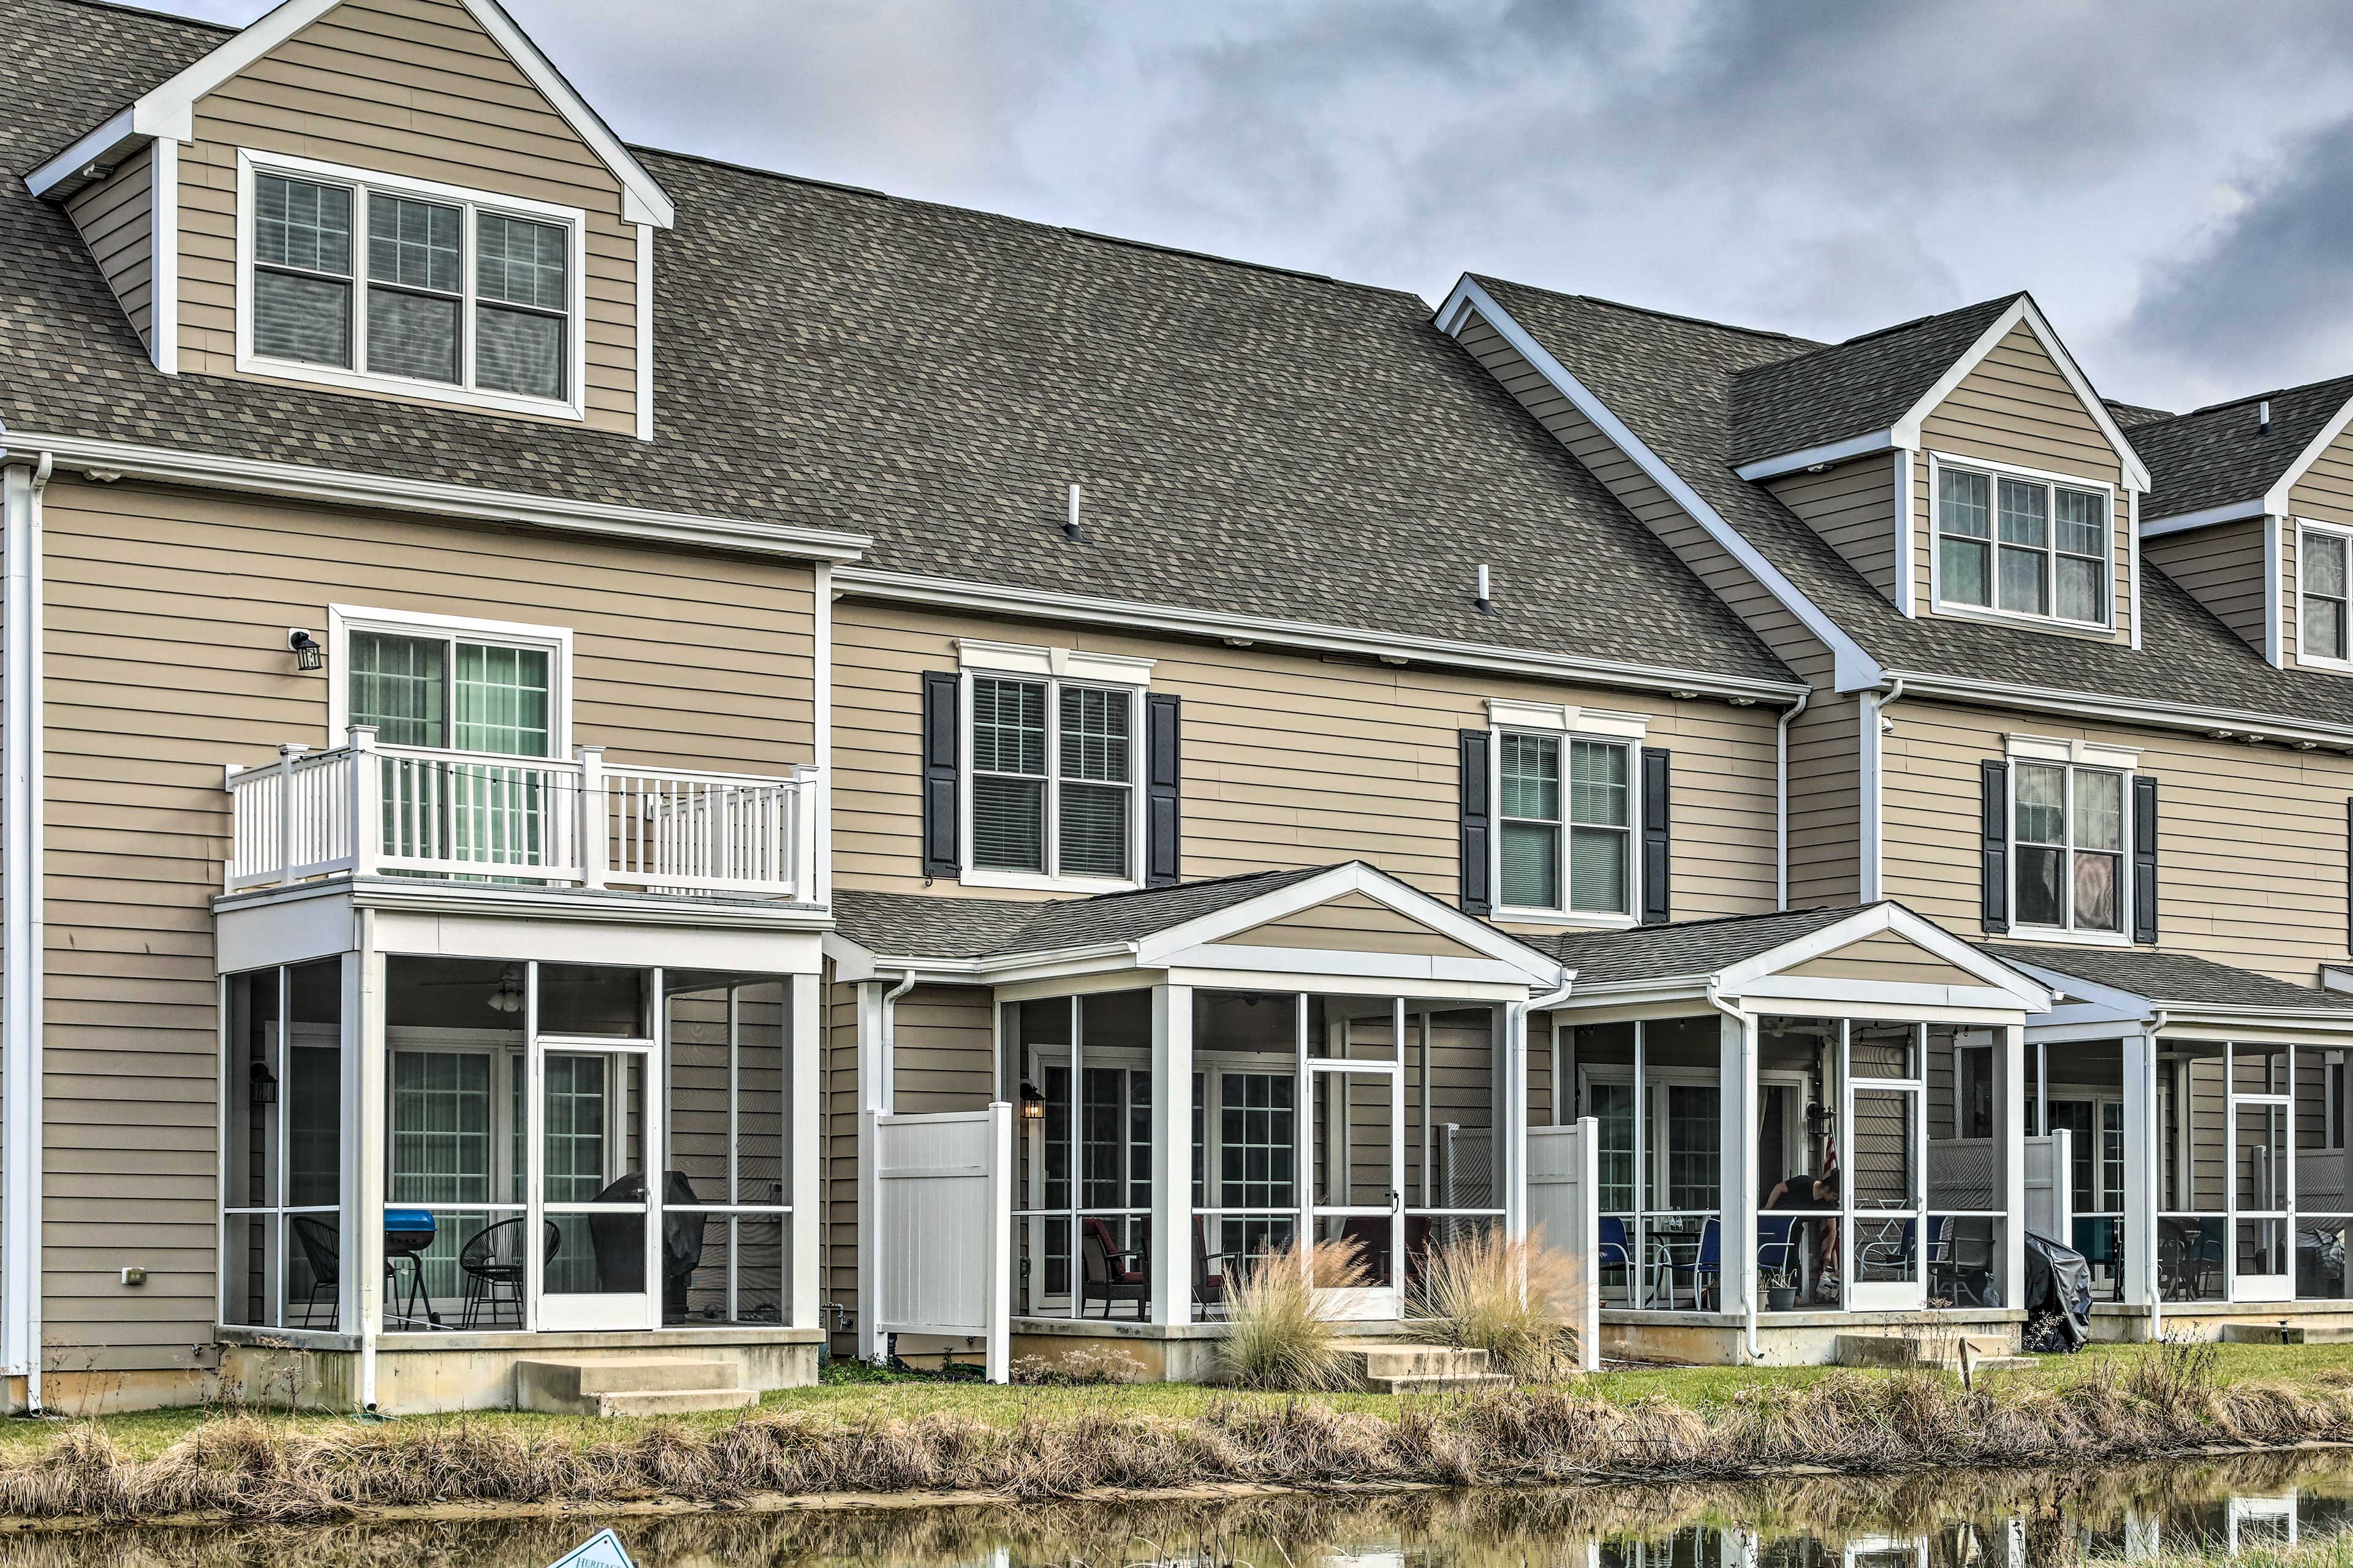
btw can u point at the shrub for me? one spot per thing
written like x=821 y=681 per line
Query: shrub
x=1509 y=1296
x=1276 y=1337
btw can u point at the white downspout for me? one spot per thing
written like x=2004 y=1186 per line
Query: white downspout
x=22 y=939
x=1874 y=790
x=1781 y=798
x=1748 y=1022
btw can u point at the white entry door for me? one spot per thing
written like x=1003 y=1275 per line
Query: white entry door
x=1356 y=1180
x=1884 y=1190
x=2262 y=1172
x=592 y=1126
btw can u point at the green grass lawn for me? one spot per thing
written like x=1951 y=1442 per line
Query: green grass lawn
x=146 y=1433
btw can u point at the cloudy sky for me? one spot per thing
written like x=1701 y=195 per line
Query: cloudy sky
x=2172 y=178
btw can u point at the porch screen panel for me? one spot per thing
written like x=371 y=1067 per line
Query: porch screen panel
x=2321 y=1204
x=1967 y=1169
x=1452 y=1144
x=725 y=1208
x=250 y=1136
x=2194 y=1170
x=2083 y=1092
x=1245 y=1051
x=1599 y=1061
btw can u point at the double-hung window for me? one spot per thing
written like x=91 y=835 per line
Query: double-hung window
x=2321 y=592
x=2023 y=546
x=1568 y=823
x=2070 y=835
x=429 y=290
x=1053 y=778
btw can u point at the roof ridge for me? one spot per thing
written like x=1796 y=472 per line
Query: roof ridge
x=2261 y=397
x=1690 y=319
x=1189 y=886
x=224 y=28
x=1876 y=334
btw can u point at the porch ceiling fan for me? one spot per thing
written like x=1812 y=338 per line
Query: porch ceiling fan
x=508 y=996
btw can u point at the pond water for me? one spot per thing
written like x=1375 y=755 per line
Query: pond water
x=1949 y=1521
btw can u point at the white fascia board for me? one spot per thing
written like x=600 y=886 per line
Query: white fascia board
x=102 y=145
x=1896 y=996
x=1755 y=975
x=340 y=486
x=2079 y=705
x=2023 y=309
x=1345 y=964
x=1356 y=876
x=1822 y=456
x=169 y=109
x=2275 y=498
x=1853 y=669
x=2205 y=517
x=2080 y=1001
x=1036 y=604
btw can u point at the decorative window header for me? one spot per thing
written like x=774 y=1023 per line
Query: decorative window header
x=2084 y=753
x=1061 y=663
x=1505 y=713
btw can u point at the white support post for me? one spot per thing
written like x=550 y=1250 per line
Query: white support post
x=288 y=755
x=591 y=817
x=23 y=941
x=370 y=1078
x=1736 y=1193
x=2138 y=1267
x=1510 y=1023
x=999 y=1357
x=807 y=1119
x=2012 y=1123
x=1171 y=1262
x=367 y=800
x=873 y=1098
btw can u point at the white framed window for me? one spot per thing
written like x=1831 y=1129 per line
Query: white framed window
x=2069 y=830
x=1053 y=747
x=2014 y=542
x=1567 y=810
x=383 y=283
x=451 y=682
x=2323 y=589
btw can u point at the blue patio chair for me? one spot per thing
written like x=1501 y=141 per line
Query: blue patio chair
x=1615 y=1250
x=1706 y=1262
x=1777 y=1242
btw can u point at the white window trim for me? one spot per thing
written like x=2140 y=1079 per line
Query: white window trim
x=2076 y=753
x=2072 y=934
x=573 y=220
x=1055 y=667
x=343 y=620
x=1625 y=730
x=2304 y=525
x=1937 y=463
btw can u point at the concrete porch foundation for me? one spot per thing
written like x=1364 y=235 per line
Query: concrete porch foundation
x=2257 y=1322
x=1790 y=1339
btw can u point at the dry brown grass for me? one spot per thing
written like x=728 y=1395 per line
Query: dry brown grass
x=1509 y=1296
x=245 y=1468
x=1276 y=1335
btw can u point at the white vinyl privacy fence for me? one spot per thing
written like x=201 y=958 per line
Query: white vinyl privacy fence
x=940 y=1192
x=2048 y=1201
x=1564 y=1214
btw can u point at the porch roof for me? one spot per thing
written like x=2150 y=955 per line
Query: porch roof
x=2171 y=979
x=1686 y=947
x=917 y=925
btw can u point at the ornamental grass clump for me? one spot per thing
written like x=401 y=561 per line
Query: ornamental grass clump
x=1277 y=1335
x=1509 y=1296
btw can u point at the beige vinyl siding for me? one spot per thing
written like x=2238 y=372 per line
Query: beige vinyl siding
x=1354 y=922
x=1290 y=760
x=2222 y=568
x=2291 y=612
x=413 y=88
x=1825 y=799
x=679 y=660
x=2251 y=849
x=1886 y=957
x=1853 y=507
x=2017 y=407
x=117 y=220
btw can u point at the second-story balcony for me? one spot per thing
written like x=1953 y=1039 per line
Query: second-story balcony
x=366 y=810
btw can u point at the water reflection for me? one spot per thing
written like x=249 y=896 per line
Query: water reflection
x=1967 y=1521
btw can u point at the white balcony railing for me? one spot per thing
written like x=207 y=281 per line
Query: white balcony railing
x=368 y=810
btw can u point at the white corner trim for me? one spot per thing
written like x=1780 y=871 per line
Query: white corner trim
x=1813 y=456
x=2023 y=309
x=2275 y=499
x=556 y=641
x=1907 y=524
x=163 y=260
x=645 y=332
x=1851 y=667
x=1054 y=663
x=22 y=935
x=821 y=676
x=2131 y=553
x=1510 y=714
x=2273 y=636
x=2085 y=753
x=343 y=487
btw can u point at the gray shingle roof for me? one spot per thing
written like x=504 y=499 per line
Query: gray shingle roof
x=1250 y=440
x=915 y=925
x=2130 y=414
x=1668 y=378
x=1686 y=947
x=2174 y=978
x=1852 y=388
x=2221 y=455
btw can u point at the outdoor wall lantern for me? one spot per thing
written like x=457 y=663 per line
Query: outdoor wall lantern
x=1033 y=1104
x=1818 y=1118
x=307 y=653
x=261 y=1087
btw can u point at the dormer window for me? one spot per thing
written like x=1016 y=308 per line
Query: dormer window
x=2019 y=544
x=2321 y=595
x=401 y=285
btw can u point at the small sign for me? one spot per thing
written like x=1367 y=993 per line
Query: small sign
x=602 y=1551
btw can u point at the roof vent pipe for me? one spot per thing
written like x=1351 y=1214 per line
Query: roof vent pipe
x=2263 y=417
x=1486 y=600
x=1070 y=524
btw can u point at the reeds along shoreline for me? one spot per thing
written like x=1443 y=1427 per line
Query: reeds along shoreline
x=250 y=1468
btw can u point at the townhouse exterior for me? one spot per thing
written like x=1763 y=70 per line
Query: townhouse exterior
x=607 y=755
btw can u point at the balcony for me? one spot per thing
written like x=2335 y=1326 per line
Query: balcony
x=366 y=810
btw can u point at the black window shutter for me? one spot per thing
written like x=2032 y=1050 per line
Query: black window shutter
x=1163 y=825
x=1477 y=821
x=1657 y=820
x=1994 y=846
x=943 y=748
x=2144 y=886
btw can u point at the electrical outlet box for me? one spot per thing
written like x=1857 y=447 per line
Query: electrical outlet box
x=134 y=1276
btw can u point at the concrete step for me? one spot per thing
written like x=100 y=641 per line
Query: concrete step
x=2293 y=1335
x=1437 y=1383
x=628 y=1385
x=1390 y=1367
x=1919 y=1349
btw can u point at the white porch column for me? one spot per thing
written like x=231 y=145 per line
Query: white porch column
x=2143 y=1138
x=1172 y=1154
x=1511 y=1049
x=1737 y=1190
x=807 y=1042
x=2011 y=1114
x=366 y=1072
x=873 y=1096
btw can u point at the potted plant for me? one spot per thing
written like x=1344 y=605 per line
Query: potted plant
x=1781 y=1290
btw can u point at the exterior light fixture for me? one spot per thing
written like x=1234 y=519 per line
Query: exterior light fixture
x=307 y=652
x=1818 y=1118
x=261 y=1088
x=1033 y=1104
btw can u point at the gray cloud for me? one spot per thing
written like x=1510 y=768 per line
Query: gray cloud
x=1814 y=165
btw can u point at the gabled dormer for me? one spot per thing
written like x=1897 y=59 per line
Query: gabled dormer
x=2252 y=513
x=1962 y=463
x=397 y=200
